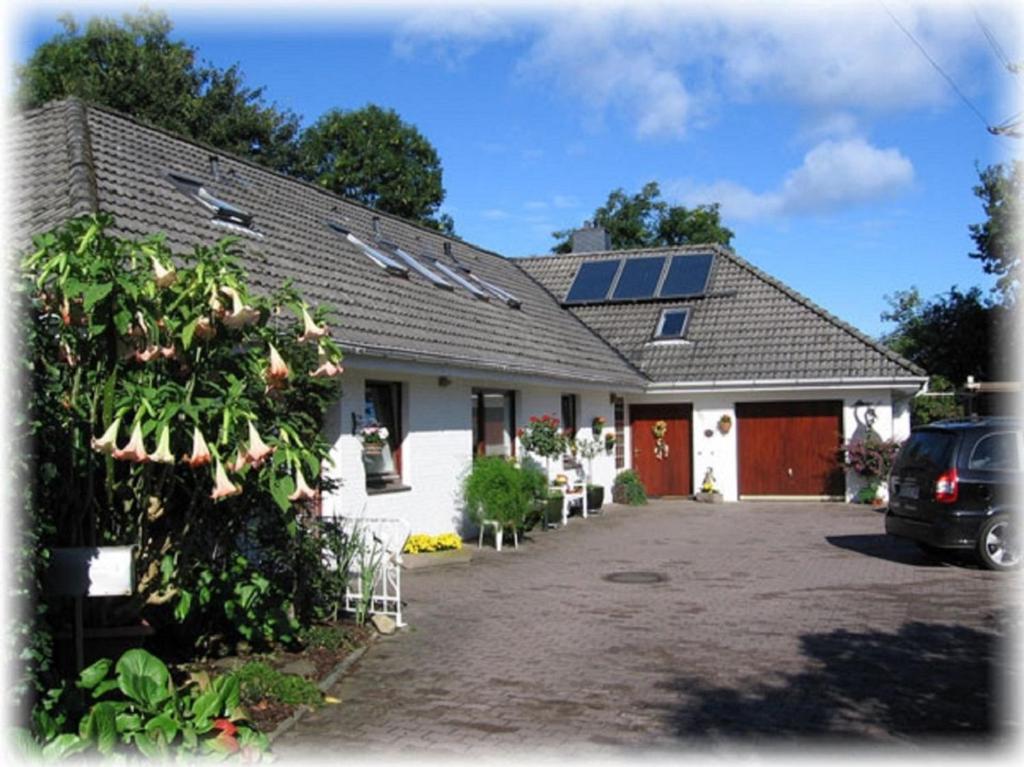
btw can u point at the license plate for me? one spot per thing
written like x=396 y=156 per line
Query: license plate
x=909 y=491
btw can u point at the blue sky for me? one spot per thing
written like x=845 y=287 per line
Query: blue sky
x=842 y=159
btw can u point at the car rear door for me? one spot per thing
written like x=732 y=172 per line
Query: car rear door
x=926 y=455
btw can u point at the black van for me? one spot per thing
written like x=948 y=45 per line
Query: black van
x=954 y=485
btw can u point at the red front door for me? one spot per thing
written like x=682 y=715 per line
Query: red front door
x=670 y=473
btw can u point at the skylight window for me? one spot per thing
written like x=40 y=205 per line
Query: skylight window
x=454 y=276
x=497 y=292
x=412 y=262
x=672 y=324
x=220 y=209
x=384 y=262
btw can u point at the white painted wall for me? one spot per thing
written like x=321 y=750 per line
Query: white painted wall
x=437 y=446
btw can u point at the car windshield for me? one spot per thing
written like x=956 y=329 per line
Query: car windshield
x=927 y=449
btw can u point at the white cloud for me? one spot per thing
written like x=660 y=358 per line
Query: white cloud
x=662 y=66
x=833 y=175
x=494 y=214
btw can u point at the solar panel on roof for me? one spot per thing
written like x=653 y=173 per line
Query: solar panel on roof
x=593 y=279
x=687 y=276
x=639 y=278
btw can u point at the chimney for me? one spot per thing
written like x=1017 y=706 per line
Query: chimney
x=590 y=238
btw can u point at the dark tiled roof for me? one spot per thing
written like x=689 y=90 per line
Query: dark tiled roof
x=76 y=159
x=748 y=326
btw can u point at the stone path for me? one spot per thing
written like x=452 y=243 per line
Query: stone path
x=768 y=624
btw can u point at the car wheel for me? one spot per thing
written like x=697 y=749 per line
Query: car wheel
x=998 y=544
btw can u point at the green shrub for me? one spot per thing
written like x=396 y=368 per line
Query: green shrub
x=261 y=682
x=628 y=489
x=496 y=489
x=325 y=637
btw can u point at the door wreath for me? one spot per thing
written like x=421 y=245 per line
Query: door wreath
x=660 y=429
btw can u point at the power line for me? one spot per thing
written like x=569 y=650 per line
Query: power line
x=994 y=44
x=938 y=69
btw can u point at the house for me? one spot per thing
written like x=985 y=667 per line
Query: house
x=453 y=347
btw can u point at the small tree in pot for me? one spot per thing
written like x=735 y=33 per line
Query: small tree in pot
x=496 y=490
x=590 y=449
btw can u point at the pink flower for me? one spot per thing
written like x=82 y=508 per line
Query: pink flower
x=200 y=452
x=169 y=352
x=163 y=448
x=240 y=314
x=310 y=331
x=108 y=442
x=326 y=368
x=239 y=463
x=135 y=450
x=278 y=371
x=223 y=488
x=303 y=492
x=258 y=450
x=164 y=277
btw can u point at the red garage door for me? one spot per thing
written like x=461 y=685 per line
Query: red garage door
x=790 y=448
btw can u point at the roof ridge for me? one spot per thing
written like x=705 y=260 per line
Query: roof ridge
x=690 y=247
x=85 y=105
x=823 y=313
x=83 y=194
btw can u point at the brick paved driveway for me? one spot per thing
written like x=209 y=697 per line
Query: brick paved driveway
x=774 y=623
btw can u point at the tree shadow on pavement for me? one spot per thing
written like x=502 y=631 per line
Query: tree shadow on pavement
x=924 y=681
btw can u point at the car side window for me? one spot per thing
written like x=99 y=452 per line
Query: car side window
x=996 y=452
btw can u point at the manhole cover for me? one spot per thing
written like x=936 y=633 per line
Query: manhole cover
x=636 y=577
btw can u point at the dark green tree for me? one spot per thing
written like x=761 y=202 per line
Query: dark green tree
x=134 y=67
x=644 y=220
x=372 y=156
x=997 y=239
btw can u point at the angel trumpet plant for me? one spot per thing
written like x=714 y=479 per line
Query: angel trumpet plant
x=310 y=330
x=222 y=486
x=325 y=368
x=303 y=492
x=278 y=371
x=240 y=314
x=200 y=452
x=163 y=449
x=164 y=277
x=135 y=450
x=108 y=442
x=258 y=450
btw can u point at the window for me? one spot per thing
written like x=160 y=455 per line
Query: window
x=996 y=452
x=569 y=409
x=620 y=433
x=672 y=323
x=223 y=212
x=383 y=407
x=416 y=266
x=497 y=292
x=384 y=262
x=494 y=417
x=456 y=277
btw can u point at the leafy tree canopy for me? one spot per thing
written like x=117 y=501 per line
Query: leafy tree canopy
x=644 y=220
x=998 y=240
x=954 y=335
x=372 y=156
x=135 y=68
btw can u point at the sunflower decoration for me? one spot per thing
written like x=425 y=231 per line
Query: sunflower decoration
x=660 y=429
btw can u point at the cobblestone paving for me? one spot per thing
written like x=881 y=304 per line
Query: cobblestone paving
x=775 y=624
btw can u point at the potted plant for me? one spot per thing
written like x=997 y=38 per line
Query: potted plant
x=374 y=437
x=496 y=492
x=628 y=489
x=597 y=426
x=609 y=442
x=553 y=508
x=871 y=458
x=589 y=449
x=542 y=437
x=708 y=491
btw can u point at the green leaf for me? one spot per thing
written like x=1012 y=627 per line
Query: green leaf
x=94 y=674
x=64 y=746
x=149 y=746
x=206 y=706
x=187 y=332
x=281 y=488
x=143 y=678
x=104 y=687
x=162 y=726
x=105 y=722
x=96 y=293
x=128 y=723
x=184 y=606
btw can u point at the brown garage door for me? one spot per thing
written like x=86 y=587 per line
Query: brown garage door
x=790 y=448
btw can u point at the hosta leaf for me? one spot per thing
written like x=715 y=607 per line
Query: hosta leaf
x=94 y=674
x=143 y=678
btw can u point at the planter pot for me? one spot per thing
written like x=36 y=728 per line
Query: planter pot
x=553 y=510
x=373 y=448
x=595 y=497
x=708 y=497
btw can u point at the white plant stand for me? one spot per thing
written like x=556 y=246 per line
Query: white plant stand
x=499 y=530
x=383 y=538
